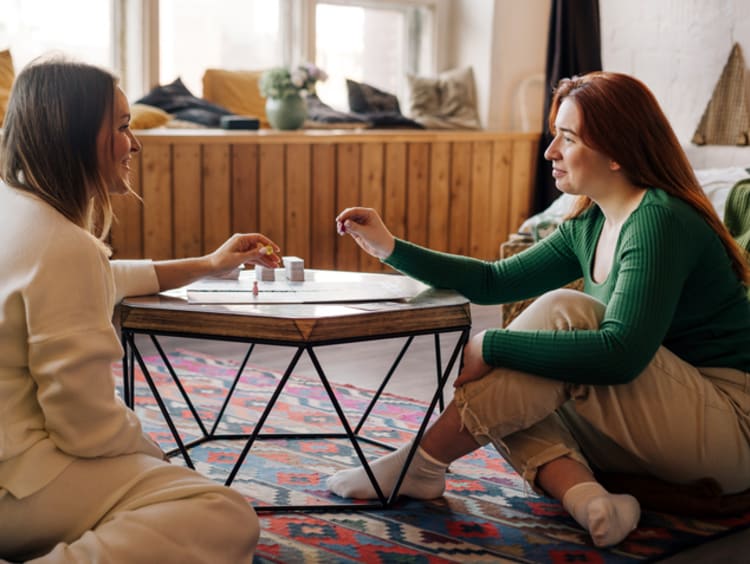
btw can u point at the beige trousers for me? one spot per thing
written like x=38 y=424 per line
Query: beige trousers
x=132 y=508
x=674 y=421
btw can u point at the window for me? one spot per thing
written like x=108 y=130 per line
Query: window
x=377 y=42
x=150 y=42
x=82 y=29
x=232 y=34
x=373 y=43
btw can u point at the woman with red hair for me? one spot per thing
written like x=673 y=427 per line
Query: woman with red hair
x=647 y=371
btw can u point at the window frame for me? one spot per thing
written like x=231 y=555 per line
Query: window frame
x=439 y=8
x=136 y=29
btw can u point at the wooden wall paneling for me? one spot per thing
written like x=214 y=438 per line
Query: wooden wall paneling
x=249 y=183
x=323 y=207
x=157 y=185
x=217 y=196
x=126 y=234
x=481 y=242
x=500 y=195
x=271 y=196
x=244 y=208
x=348 y=160
x=188 y=219
x=372 y=190
x=394 y=198
x=417 y=193
x=521 y=181
x=460 y=195
x=439 y=196
x=298 y=217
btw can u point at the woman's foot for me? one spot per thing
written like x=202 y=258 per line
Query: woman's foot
x=608 y=518
x=425 y=478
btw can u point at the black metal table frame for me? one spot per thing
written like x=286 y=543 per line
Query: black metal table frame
x=132 y=356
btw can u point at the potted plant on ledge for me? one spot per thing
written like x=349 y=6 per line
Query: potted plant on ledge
x=283 y=88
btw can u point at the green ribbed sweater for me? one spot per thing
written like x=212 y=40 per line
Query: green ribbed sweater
x=671 y=283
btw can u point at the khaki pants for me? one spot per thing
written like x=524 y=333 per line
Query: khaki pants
x=674 y=421
x=132 y=508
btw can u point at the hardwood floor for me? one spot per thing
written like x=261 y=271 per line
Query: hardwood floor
x=364 y=365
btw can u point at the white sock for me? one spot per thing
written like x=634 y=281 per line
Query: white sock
x=607 y=517
x=425 y=478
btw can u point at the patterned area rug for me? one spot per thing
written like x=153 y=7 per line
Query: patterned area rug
x=486 y=515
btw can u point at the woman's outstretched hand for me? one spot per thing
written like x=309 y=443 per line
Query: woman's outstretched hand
x=368 y=231
x=244 y=248
x=241 y=248
x=474 y=366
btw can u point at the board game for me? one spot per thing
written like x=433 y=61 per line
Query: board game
x=318 y=286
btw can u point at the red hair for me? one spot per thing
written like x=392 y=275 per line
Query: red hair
x=621 y=118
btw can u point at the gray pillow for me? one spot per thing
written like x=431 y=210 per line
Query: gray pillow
x=379 y=108
x=319 y=112
x=447 y=101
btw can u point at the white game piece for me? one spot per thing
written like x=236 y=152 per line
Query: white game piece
x=233 y=274
x=264 y=274
x=295 y=269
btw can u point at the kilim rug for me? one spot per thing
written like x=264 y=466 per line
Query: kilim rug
x=486 y=515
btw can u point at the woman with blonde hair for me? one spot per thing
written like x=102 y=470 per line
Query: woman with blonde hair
x=79 y=479
x=647 y=371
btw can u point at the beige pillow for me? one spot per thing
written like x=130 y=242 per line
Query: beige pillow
x=447 y=101
x=237 y=91
x=143 y=116
x=7 y=75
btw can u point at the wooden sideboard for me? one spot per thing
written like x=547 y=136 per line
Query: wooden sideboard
x=462 y=192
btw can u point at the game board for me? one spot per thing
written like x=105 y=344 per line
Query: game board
x=319 y=286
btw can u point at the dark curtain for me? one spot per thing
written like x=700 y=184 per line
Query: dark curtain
x=573 y=48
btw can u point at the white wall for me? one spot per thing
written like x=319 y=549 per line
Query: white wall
x=471 y=37
x=504 y=41
x=677 y=47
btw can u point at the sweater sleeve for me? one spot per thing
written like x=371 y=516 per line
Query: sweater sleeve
x=545 y=266
x=72 y=346
x=134 y=278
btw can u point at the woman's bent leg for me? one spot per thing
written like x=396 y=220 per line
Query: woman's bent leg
x=449 y=439
x=129 y=509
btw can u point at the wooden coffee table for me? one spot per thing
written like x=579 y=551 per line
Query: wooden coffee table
x=408 y=309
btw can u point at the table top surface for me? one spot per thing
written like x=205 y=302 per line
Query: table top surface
x=399 y=305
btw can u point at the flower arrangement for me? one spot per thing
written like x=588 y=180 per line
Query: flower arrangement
x=280 y=82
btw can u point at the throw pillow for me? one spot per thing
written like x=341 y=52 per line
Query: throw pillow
x=7 y=76
x=236 y=91
x=377 y=107
x=176 y=99
x=147 y=117
x=737 y=214
x=365 y=98
x=447 y=101
x=321 y=113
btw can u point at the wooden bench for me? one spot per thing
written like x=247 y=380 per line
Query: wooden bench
x=461 y=192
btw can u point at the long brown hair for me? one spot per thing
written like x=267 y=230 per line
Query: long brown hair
x=49 y=142
x=621 y=118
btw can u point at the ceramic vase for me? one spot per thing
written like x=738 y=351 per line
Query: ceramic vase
x=286 y=113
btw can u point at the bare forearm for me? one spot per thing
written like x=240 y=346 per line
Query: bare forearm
x=248 y=249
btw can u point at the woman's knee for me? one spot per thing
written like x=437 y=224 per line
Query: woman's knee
x=562 y=309
x=236 y=517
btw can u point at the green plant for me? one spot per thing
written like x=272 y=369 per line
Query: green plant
x=280 y=82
